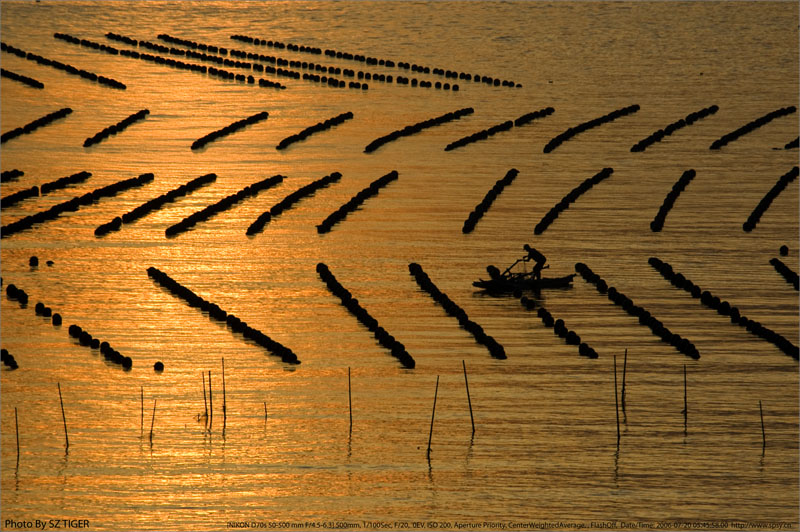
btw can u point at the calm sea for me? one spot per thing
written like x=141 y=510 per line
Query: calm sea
x=545 y=451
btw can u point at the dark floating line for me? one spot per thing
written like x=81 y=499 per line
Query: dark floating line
x=724 y=308
x=281 y=62
x=376 y=61
x=388 y=341
x=768 y=198
x=69 y=69
x=785 y=271
x=46 y=188
x=452 y=309
x=792 y=144
x=8 y=359
x=316 y=128
x=580 y=128
x=416 y=128
x=227 y=130
x=36 y=124
x=750 y=126
x=11 y=175
x=288 y=202
x=224 y=74
x=74 y=204
x=119 y=127
x=109 y=353
x=658 y=222
x=353 y=203
x=220 y=315
x=559 y=328
x=573 y=195
x=154 y=204
x=683 y=345
x=22 y=79
x=505 y=126
x=659 y=135
x=483 y=207
x=222 y=205
x=17 y=294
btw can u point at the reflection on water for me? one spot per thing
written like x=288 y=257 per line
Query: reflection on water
x=544 y=445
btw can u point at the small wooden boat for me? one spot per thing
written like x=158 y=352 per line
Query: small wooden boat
x=519 y=282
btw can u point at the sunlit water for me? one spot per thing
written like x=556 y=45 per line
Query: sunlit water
x=545 y=444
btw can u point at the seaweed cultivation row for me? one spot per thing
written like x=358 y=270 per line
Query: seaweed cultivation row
x=69 y=69
x=36 y=124
x=768 y=198
x=17 y=294
x=416 y=128
x=218 y=314
x=505 y=126
x=785 y=271
x=191 y=67
x=659 y=135
x=560 y=329
x=353 y=203
x=377 y=61
x=397 y=349
x=22 y=79
x=8 y=359
x=74 y=204
x=316 y=128
x=192 y=44
x=658 y=222
x=792 y=144
x=119 y=127
x=573 y=195
x=86 y=42
x=109 y=353
x=483 y=207
x=724 y=308
x=231 y=128
x=11 y=175
x=580 y=128
x=452 y=309
x=154 y=204
x=750 y=126
x=288 y=202
x=224 y=204
x=34 y=191
x=645 y=318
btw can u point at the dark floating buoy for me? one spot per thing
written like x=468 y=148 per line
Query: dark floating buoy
x=659 y=135
x=158 y=366
x=750 y=126
x=452 y=309
x=8 y=359
x=353 y=203
x=231 y=128
x=483 y=207
x=22 y=79
x=580 y=128
x=792 y=144
x=505 y=126
x=786 y=272
x=573 y=195
x=416 y=128
x=154 y=204
x=658 y=222
x=75 y=204
x=726 y=309
x=217 y=314
x=222 y=205
x=288 y=202
x=11 y=175
x=36 y=124
x=56 y=319
x=33 y=261
x=388 y=341
x=322 y=126
x=119 y=127
x=768 y=198
x=69 y=69
x=784 y=250
x=645 y=318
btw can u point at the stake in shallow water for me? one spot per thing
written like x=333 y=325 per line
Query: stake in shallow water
x=433 y=415
x=616 y=396
x=349 y=400
x=763 y=434
x=63 y=416
x=205 y=401
x=141 y=424
x=152 y=420
x=685 y=402
x=469 y=401
x=224 y=404
x=624 y=370
x=16 y=425
x=210 y=401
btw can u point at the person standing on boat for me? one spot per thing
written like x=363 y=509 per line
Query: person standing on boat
x=536 y=255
